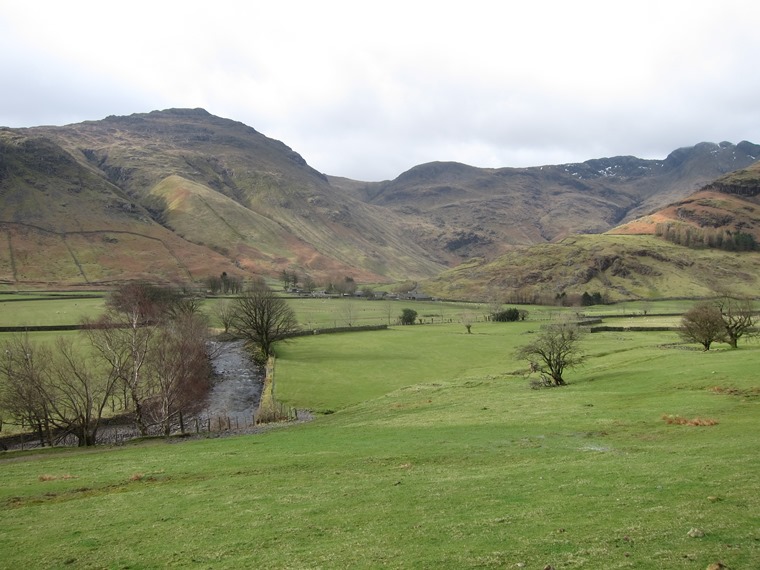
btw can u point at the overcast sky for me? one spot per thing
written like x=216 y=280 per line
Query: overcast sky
x=369 y=89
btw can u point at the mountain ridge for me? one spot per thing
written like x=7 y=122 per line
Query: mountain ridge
x=497 y=208
x=225 y=197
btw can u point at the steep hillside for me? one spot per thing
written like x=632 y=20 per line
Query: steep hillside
x=209 y=182
x=460 y=211
x=64 y=224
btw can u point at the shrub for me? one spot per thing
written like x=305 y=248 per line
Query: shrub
x=507 y=316
x=408 y=316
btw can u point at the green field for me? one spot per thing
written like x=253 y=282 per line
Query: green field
x=37 y=310
x=437 y=455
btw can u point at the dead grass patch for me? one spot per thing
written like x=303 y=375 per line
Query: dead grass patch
x=48 y=477
x=681 y=421
x=732 y=391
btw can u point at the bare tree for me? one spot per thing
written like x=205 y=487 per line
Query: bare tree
x=123 y=338
x=81 y=393
x=554 y=350
x=124 y=347
x=703 y=324
x=738 y=317
x=24 y=385
x=348 y=312
x=467 y=319
x=309 y=284
x=57 y=393
x=224 y=312
x=142 y=302
x=183 y=303
x=389 y=310
x=180 y=369
x=263 y=319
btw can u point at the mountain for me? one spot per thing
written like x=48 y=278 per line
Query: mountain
x=180 y=195
x=697 y=252
x=205 y=187
x=458 y=212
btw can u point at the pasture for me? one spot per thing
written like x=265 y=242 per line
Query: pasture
x=41 y=310
x=433 y=452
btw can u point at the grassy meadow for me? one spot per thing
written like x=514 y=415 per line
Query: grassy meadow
x=32 y=310
x=431 y=452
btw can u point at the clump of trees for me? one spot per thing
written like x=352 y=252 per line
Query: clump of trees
x=292 y=280
x=727 y=319
x=224 y=284
x=154 y=341
x=149 y=350
x=595 y=298
x=53 y=390
x=717 y=238
x=342 y=286
x=554 y=350
x=509 y=315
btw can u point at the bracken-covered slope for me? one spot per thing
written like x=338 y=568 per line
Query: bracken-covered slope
x=728 y=205
x=629 y=261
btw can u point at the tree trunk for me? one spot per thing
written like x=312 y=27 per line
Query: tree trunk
x=40 y=434
x=139 y=420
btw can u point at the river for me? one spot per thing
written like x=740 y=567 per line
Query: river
x=237 y=387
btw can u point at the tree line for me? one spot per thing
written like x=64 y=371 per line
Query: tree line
x=726 y=319
x=714 y=238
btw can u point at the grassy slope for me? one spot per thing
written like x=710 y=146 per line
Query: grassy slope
x=62 y=223
x=622 y=266
x=443 y=465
